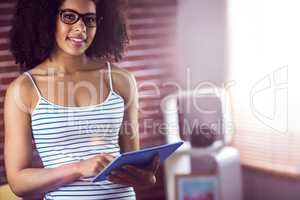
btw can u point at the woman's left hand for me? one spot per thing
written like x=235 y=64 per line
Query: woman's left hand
x=136 y=177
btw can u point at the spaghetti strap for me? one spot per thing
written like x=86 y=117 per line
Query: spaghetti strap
x=110 y=77
x=33 y=82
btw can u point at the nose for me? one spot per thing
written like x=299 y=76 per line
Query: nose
x=80 y=26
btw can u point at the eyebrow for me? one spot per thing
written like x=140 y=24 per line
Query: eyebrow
x=71 y=10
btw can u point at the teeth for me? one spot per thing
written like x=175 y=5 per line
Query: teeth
x=76 y=40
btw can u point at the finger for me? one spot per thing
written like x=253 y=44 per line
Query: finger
x=117 y=180
x=152 y=179
x=108 y=157
x=102 y=162
x=111 y=157
x=143 y=175
x=137 y=172
x=105 y=155
x=125 y=178
x=100 y=166
x=156 y=163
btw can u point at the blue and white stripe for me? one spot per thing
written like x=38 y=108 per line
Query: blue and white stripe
x=64 y=135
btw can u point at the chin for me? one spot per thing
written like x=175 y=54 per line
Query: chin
x=76 y=53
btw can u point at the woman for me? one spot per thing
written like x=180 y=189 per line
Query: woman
x=80 y=110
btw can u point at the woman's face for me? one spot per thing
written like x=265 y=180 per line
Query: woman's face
x=75 y=38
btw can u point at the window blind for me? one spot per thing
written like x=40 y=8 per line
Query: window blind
x=150 y=57
x=264 y=66
x=8 y=69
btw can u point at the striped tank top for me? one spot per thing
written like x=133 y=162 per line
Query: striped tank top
x=64 y=135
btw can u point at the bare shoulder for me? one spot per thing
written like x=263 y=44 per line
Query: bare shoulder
x=121 y=73
x=20 y=92
x=122 y=76
x=124 y=81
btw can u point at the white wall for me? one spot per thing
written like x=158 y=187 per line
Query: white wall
x=202 y=47
x=201 y=41
x=262 y=186
x=263 y=37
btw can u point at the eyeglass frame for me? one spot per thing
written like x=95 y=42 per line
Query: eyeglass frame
x=80 y=16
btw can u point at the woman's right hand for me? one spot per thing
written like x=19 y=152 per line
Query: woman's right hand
x=92 y=166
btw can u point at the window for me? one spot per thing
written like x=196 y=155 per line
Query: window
x=149 y=58
x=264 y=48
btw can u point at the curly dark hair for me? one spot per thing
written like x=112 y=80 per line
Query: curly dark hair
x=32 y=37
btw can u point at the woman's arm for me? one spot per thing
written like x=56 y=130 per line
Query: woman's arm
x=22 y=178
x=18 y=147
x=129 y=135
x=126 y=85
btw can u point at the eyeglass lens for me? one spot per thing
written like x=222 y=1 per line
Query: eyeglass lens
x=71 y=17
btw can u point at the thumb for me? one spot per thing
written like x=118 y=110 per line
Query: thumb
x=155 y=163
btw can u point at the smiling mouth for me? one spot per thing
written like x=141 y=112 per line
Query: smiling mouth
x=76 y=41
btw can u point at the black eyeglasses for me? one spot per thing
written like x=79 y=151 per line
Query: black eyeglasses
x=69 y=16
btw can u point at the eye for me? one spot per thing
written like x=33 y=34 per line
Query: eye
x=91 y=20
x=69 y=17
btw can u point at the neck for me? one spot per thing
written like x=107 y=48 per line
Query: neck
x=64 y=63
